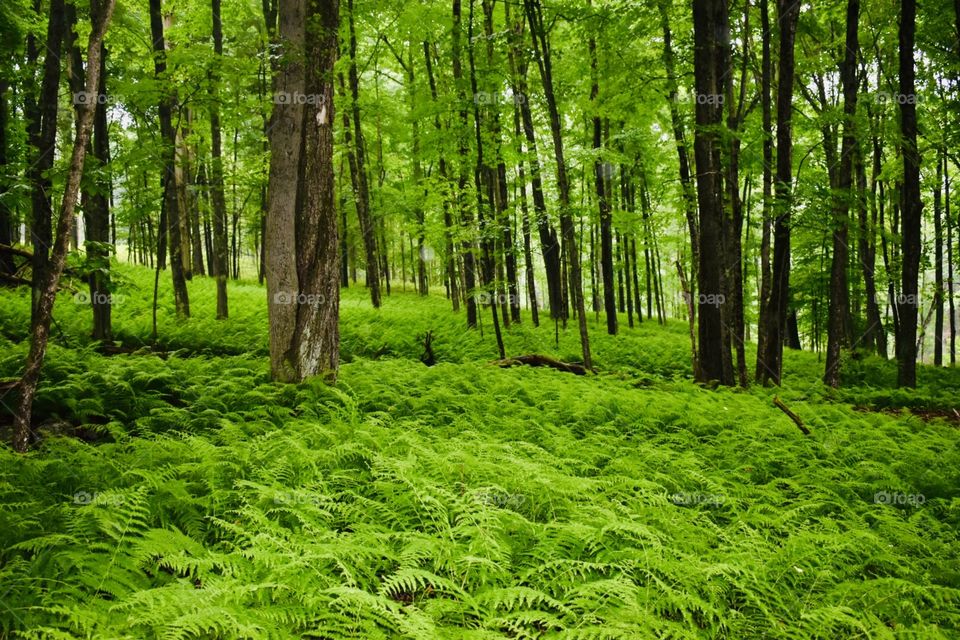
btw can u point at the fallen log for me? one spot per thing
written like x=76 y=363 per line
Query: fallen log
x=790 y=414
x=539 y=360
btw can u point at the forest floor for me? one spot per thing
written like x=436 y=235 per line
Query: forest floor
x=178 y=493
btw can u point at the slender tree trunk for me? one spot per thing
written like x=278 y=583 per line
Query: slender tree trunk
x=908 y=303
x=463 y=152
x=219 y=261
x=938 y=262
x=770 y=361
x=359 y=171
x=97 y=218
x=542 y=53
x=168 y=135
x=839 y=309
x=43 y=137
x=951 y=283
x=766 y=75
x=680 y=139
x=606 y=215
x=40 y=331
x=6 y=215
x=451 y=262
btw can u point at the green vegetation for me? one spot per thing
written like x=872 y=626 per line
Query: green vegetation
x=462 y=500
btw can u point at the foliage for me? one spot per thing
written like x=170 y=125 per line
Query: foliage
x=462 y=500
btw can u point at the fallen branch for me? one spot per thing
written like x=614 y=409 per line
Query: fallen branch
x=538 y=360
x=790 y=414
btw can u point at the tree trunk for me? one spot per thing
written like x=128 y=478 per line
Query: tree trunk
x=770 y=361
x=6 y=216
x=169 y=138
x=766 y=79
x=463 y=152
x=50 y=278
x=542 y=53
x=43 y=136
x=303 y=272
x=97 y=218
x=359 y=171
x=710 y=22
x=938 y=263
x=606 y=216
x=220 y=270
x=839 y=309
x=911 y=218
x=451 y=263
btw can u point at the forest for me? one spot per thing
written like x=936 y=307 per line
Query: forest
x=574 y=319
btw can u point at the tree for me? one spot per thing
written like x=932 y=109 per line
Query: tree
x=542 y=54
x=911 y=206
x=171 y=231
x=770 y=360
x=303 y=271
x=49 y=279
x=839 y=311
x=710 y=24
x=219 y=262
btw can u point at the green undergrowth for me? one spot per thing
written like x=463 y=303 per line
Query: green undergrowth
x=202 y=500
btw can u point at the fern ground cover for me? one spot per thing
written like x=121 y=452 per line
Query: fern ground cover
x=463 y=500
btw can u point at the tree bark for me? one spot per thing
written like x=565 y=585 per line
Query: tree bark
x=606 y=216
x=770 y=360
x=303 y=271
x=839 y=309
x=168 y=136
x=710 y=24
x=542 y=53
x=219 y=262
x=911 y=217
x=50 y=278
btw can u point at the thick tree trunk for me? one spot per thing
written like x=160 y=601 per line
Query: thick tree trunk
x=908 y=302
x=219 y=262
x=711 y=24
x=301 y=237
x=50 y=278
